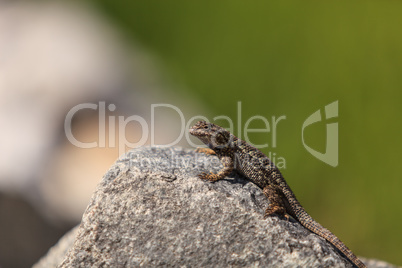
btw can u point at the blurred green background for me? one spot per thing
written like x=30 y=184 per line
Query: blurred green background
x=292 y=58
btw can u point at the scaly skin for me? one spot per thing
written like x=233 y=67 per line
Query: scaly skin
x=238 y=155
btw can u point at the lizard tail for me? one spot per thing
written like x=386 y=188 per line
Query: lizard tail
x=297 y=211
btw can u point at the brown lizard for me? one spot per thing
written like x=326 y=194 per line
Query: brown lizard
x=236 y=154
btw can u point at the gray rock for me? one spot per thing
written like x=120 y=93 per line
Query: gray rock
x=150 y=209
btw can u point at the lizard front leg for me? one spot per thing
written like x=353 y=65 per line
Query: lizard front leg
x=228 y=166
x=205 y=151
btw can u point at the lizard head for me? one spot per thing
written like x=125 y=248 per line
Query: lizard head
x=214 y=136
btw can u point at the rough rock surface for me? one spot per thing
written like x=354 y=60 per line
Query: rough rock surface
x=150 y=209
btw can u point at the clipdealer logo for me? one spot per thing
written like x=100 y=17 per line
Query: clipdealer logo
x=331 y=149
x=147 y=129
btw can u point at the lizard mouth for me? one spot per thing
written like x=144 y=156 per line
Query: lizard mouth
x=200 y=134
x=192 y=131
x=196 y=132
x=199 y=129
